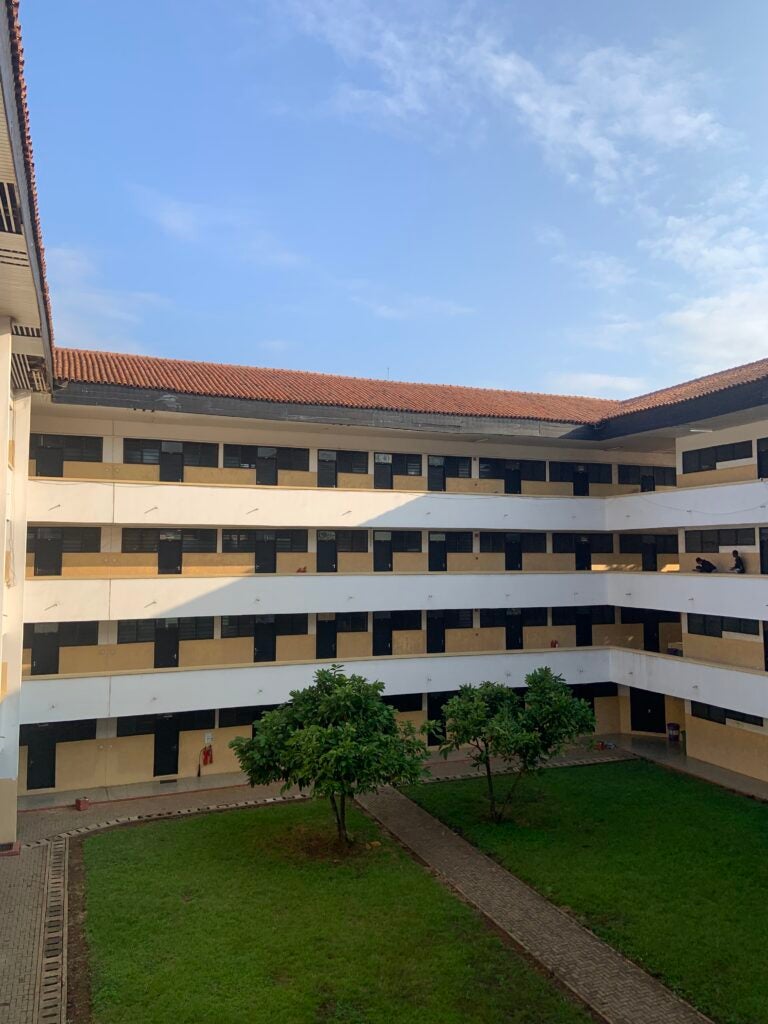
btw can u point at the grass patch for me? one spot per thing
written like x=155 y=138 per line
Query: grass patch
x=669 y=870
x=257 y=916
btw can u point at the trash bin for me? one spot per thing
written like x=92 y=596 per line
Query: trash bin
x=673 y=732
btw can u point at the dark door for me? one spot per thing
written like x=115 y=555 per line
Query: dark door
x=435 y=633
x=646 y=710
x=326 y=551
x=650 y=562
x=265 y=557
x=513 y=480
x=48 y=548
x=382 y=633
x=45 y=653
x=166 y=745
x=382 y=551
x=438 y=553
x=326 y=638
x=583 y=628
x=435 y=475
x=762 y=458
x=513 y=552
x=583 y=553
x=169 y=553
x=382 y=471
x=41 y=758
x=50 y=462
x=326 y=469
x=763 y=549
x=765 y=645
x=172 y=466
x=514 y=630
x=580 y=483
x=435 y=703
x=166 y=646
x=264 y=641
x=647 y=482
x=651 y=634
x=266 y=467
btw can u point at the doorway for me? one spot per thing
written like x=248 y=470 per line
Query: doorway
x=265 y=552
x=327 y=557
x=169 y=552
x=580 y=481
x=649 y=553
x=326 y=469
x=513 y=478
x=647 y=711
x=166 y=759
x=45 y=649
x=50 y=462
x=48 y=550
x=438 y=552
x=264 y=638
x=762 y=458
x=435 y=632
x=513 y=552
x=435 y=703
x=166 y=645
x=583 y=627
x=382 y=633
x=382 y=471
x=583 y=552
x=647 y=482
x=436 y=473
x=514 y=629
x=763 y=549
x=325 y=642
x=41 y=757
x=382 y=551
x=651 y=633
x=172 y=462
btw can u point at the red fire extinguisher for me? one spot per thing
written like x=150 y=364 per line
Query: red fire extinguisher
x=206 y=757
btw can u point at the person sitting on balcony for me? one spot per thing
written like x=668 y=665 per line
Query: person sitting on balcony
x=704 y=565
x=738 y=563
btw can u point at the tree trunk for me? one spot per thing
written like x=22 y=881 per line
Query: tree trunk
x=340 y=814
x=491 y=793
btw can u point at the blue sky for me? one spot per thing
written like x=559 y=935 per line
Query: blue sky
x=543 y=196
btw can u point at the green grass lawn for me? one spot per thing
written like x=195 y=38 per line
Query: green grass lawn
x=670 y=870
x=253 y=916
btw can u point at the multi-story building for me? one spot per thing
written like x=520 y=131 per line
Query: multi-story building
x=200 y=537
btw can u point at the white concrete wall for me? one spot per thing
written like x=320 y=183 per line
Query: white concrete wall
x=50 y=700
x=67 y=600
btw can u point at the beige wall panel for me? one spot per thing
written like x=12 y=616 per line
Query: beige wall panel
x=81 y=764
x=670 y=633
x=32 y=467
x=723 y=560
x=191 y=744
x=355 y=561
x=129 y=657
x=542 y=636
x=26 y=661
x=233 y=650
x=291 y=562
x=224 y=759
x=625 y=713
x=296 y=478
x=410 y=561
x=409 y=641
x=88 y=564
x=609 y=490
x=726 y=475
x=618 y=635
x=203 y=563
x=556 y=487
x=295 y=648
x=227 y=563
x=355 y=481
x=132 y=564
x=354 y=645
x=548 y=561
x=487 y=639
x=22 y=783
x=129 y=759
x=465 y=561
x=416 y=718
x=725 y=651
x=674 y=710
x=207 y=475
x=624 y=563
x=606 y=715
x=126 y=471
x=409 y=483
x=89 y=470
x=668 y=563
x=739 y=750
x=82 y=660
x=459 y=485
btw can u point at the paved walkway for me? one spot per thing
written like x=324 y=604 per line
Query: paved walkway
x=616 y=989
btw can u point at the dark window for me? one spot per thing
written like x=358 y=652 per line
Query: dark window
x=603 y=615
x=352 y=622
x=404 y=701
x=59 y=732
x=633 y=543
x=701 y=459
x=75 y=448
x=402 y=464
x=73 y=538
x=534 y=616
x=136 y=725
x=352 y=540
x=530 y=469
x=147 y=452
x=599 y=543
x=70 y=634
x=237 y=625
x=459 y=542
x=406 y=540
x=458 y=618
x=230 y=717
x=663 y=476
x=247 y=456
x=699 y=541
x=716 y=625
x=294 y=624
x=597 y=472
x=200 y=541
x=139 y=540
x=742 y=716
x=458 y=466
x=199 y=627
x=490 y=617
x=496 y=541
x=346 y=462
x=245 y=540
x=410 y=619
x=136 y=631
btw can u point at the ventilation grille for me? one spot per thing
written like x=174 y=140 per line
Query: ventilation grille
x=28 y=373
x=26 y=332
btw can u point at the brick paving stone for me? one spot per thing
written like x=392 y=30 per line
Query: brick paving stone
x=22 y=888
x=617 y=990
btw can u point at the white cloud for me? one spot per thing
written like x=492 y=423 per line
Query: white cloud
x=88 y=314
x=599 y=115
x=597 y=385
x=599 y=270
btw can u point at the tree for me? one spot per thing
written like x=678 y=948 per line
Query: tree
x=336 y=738
x=525 y=731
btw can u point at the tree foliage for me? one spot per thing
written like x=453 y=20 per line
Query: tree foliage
x=523 y=731
x=337 y=739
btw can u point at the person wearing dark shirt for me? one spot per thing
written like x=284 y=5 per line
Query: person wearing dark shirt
x=704 y=565
x=738 y=563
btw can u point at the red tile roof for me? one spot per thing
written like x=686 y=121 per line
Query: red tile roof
x=303 y=388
